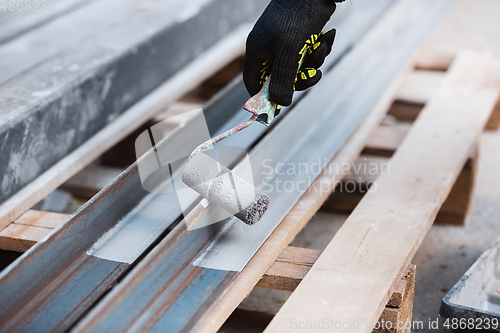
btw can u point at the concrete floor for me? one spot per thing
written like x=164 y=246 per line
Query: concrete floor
x=444 y=256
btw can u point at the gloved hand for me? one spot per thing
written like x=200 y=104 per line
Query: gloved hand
x=275 y=45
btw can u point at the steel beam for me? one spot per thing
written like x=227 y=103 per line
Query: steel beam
x=50 y=110
x=56 y=281
x=18 y=22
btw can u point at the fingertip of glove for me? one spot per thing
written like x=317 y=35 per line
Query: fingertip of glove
x=329 y=35
x=301 y=85
x=316 y=78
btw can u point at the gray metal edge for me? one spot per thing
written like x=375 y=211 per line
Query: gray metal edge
x=46 y=113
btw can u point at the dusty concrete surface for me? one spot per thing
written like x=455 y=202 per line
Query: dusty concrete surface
x=445 y=255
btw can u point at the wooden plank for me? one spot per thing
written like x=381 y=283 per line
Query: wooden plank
x=41 y=219
x=420 y=86
x=29 y=229
x=294 y=263
x=19 y=238
x=468 y=24
x=302 y=212
x=494 y=121
x=398 y=309
x=391 y=317
x=289 y=269
x=358 y=271
x=366 y=170
x=404 y=288
x=385 y=139
x=243 y=321
x=455 y=209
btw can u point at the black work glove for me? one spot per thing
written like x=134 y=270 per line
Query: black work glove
x=274 y=47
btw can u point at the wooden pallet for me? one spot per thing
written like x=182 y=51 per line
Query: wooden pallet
x=363 y=265
x=377 y=267
x=290 y=269
x=417 y=89
x=357 y=289
x=294 y=263
x=477 y=27
x=360 y=269
x=375 y=160
x=467 y=25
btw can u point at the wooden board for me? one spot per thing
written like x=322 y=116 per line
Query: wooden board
x=458 y=205
x=289 y=269
x=358 y=271
x=385 y=139
x=494 y=121
x=399 y=308
x=294 y=263
x=468 y=24
x=29 y=229
x=292 y=266
x=417 y=88
x=420 y=86
x=364 y=172
x=354 y=186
